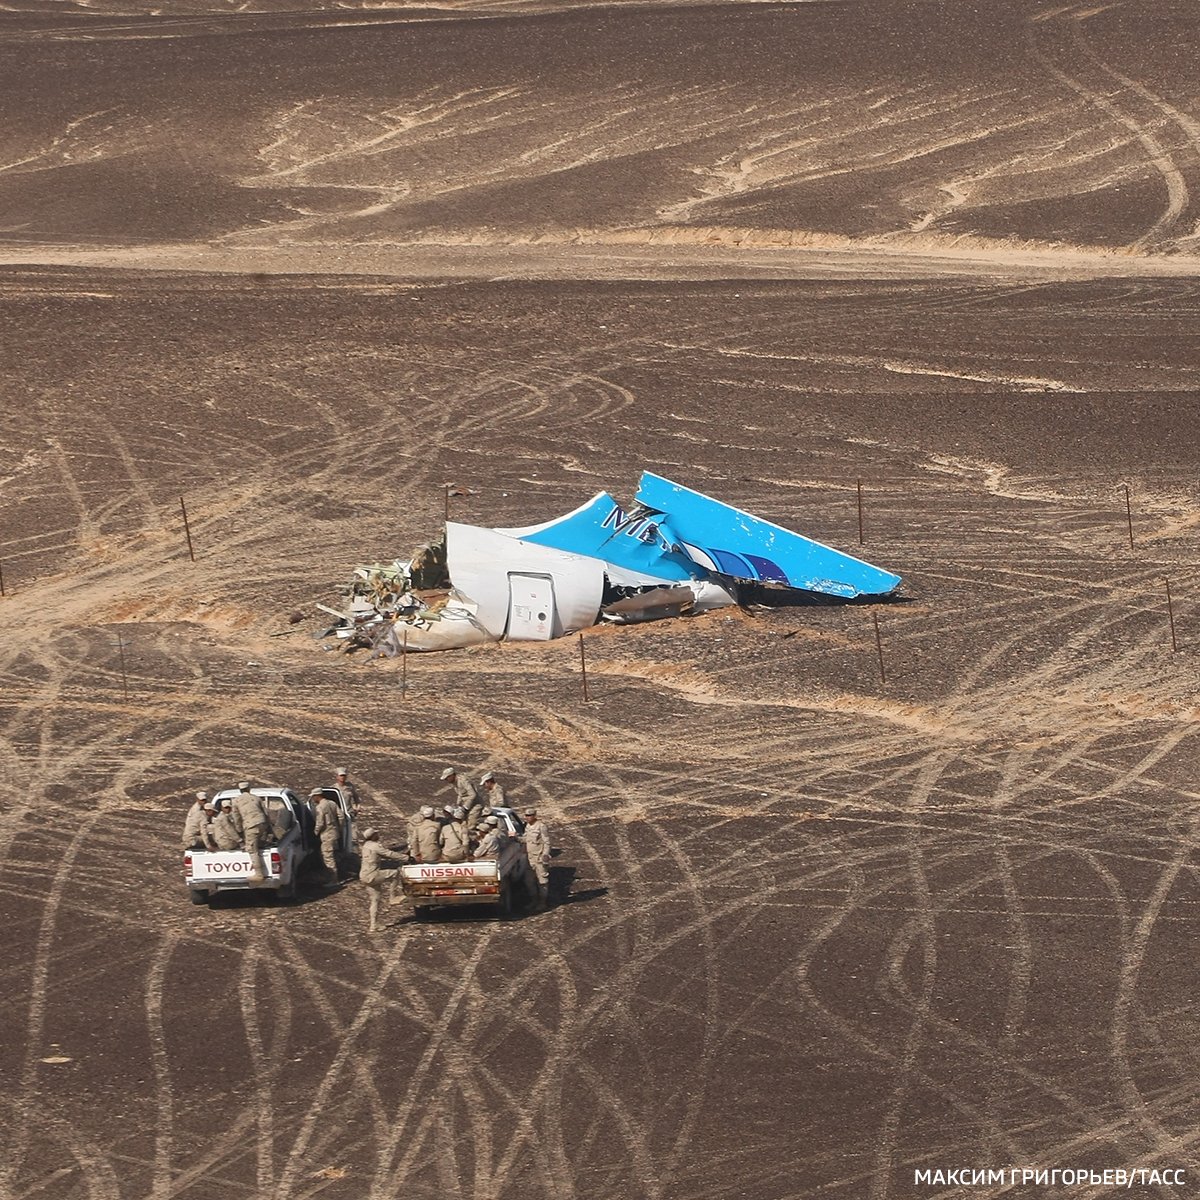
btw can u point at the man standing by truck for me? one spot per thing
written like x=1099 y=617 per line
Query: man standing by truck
x=250 y=820
x=537 y=847
x=343 y=784
x=327 y=828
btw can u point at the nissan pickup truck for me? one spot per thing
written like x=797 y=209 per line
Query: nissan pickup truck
x=433 y=885
x=290 y=846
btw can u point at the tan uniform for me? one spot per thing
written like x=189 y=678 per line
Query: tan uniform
x=467 y=795
x=327 y=827
x=455 y=841
x=410 y=833
x=374 y=876
x=195 y=829
x=354 y=800
x=250 y=820
x=537 y=847
x=224 y=832
x=493 y=842
x=494 y=796
x=281 y=821
x=351 y=793
x=427 y=846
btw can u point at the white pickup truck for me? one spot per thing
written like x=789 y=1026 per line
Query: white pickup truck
x=432 y=885
x=288 y=849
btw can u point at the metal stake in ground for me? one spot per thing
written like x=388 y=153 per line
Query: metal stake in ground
x=446 y=489
x=1171 y=615
x=187 y=529
x=879 y=648
x=124 y=679
x=404 y=669
x=583 y=666
x=1129 y=516
x=1 y=579
x=860 y=524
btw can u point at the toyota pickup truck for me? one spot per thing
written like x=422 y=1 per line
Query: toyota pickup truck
x=432 y=885
x=290 y=846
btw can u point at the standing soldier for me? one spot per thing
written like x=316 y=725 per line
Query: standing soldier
x=196 y=835
x=466 y=794
x=223 y=830
x=373 y=874
x=342 y=781
x=456 y=837
x=327 y=828
x=493 y=793
x=426 y=843
x=250 y=820
x=537 y=846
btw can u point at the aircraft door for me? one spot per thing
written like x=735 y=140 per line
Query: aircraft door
x=530 y=608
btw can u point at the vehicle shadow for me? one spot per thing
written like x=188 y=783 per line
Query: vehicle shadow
x=561 y=879
x=307 y=892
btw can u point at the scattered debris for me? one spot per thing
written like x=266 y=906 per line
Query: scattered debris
x=673 y=552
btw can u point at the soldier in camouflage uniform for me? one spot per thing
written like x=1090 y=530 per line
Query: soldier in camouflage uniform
x=426 y=844
x=493 y=793
x=327 y=828
x=250 y=820
x=196 y=835
x=537 y=846
x=494 y=840
x=224 y=831
x=466 y=794
x=456 y=837
x=373 y=874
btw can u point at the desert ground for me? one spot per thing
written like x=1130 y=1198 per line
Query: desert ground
x=831 y=911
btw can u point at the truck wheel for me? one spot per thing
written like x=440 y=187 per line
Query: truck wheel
x=198 y=895
x=287 y=893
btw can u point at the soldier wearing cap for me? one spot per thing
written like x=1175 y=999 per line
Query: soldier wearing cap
x=196 y=835
x=250 y=820
x=465 y=793
x=493 y=793
x=425 y=843
x=353 y=799
x=456 y=837
x=537 y=846
x=493 y=841
x=224 y=831
x=327 y=828
x=373 y=874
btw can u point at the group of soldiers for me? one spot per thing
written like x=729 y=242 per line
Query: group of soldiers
x=243 y=822
x=467 y=830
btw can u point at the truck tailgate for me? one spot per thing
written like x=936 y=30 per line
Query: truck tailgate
x=221 y=866
x=452 y=883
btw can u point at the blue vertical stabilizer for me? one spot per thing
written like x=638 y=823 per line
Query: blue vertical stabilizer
x=726 y=540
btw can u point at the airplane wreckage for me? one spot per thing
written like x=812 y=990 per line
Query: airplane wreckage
x=674 y=552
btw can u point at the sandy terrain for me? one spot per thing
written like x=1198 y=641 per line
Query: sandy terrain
x=305 y=264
